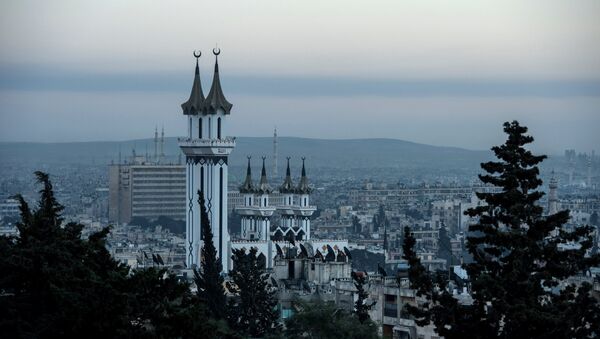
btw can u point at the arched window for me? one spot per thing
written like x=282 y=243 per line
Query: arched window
x=200 y=128
x=219 y=128
x=265 y=202
x=209 y=129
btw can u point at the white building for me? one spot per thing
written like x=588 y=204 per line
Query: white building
x=207 y=150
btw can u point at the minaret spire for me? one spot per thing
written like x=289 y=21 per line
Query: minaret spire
x=248 y=186
x=194 y=103
x=288 y=185
x=215 y=99
x=303 y=187
x=263 y=185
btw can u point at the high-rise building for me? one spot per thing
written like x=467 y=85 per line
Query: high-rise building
x=147 y=190
x=145 y=187
x=206 y=150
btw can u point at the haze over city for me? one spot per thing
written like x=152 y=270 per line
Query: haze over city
x=440 y=73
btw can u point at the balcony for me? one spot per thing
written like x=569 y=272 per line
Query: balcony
x=194 y=146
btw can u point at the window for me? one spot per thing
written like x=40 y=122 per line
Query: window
x=209 y=129
x=265 y=202
x=219 y=128
x=200 y=128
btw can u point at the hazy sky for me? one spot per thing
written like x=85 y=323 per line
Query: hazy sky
x=437 y=72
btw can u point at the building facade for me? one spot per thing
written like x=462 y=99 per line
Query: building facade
x=148 y=190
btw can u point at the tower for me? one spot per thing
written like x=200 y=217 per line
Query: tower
x=275 y=153
x=552 y=196
x=206 y=150
x=589 y=172
x=155 y=159
x=256 y=213
x=162 y=144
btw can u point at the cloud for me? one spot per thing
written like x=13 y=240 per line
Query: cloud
x=47 y=79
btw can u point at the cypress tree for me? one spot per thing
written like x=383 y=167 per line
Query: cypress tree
x=209 y=279
x=523 y=259
x=252 y=310
x=444 y=246
x=361 y=308
x=417 y=274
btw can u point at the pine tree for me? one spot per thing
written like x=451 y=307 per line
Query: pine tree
x=361 y=308
x=253 y=309
x=325 y=320
x=522 y=259
x=209 y=279
x=417 y=274
x=57 y=285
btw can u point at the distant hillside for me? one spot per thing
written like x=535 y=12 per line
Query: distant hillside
x=321 y=153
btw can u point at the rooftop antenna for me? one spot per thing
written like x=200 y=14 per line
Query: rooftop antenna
x=275 y=152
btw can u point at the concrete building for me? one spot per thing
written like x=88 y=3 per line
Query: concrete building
x=148 y=190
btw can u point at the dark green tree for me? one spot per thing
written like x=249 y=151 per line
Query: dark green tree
x=522 y=259
x=253 y=309
x=324 y=320
x=55 y=284
x=445 y=247
x=52 y=279
x=361 y=307
x=209 y=279
x=417 y=274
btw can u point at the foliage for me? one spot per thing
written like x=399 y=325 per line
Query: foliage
x=417 y=274
x=324 y=320
x=253 y=309
x=209 y=279
x=522 y=260
x=55 y=284
x=361 y=308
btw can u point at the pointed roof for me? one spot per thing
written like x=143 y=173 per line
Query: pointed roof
x=248 y=186
x=194 y=103
x=215 y=98
x=303 y=187
x=263 y=185
x=288 y=185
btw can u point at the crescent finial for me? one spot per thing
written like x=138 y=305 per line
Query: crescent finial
x=303 y=158
x=249 y=157
x=197 y=54
x=216 y=51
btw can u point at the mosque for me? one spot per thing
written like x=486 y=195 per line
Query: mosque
x=274 y=221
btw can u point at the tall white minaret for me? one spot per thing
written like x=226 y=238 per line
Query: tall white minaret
x=207 y=150
x=275 y=153
x=552 y=196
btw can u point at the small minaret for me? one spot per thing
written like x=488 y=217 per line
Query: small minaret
x=552 y=196
x=305 y=210
x=287 y=190
x=247 y=190
x=275 y=153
